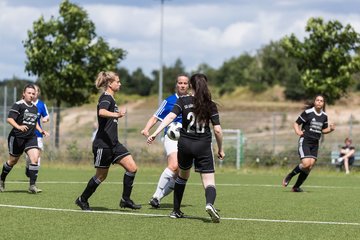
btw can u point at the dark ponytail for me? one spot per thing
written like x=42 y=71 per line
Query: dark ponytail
x=202 y=97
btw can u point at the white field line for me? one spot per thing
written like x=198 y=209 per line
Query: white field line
x=194 y=184
x=162 y=215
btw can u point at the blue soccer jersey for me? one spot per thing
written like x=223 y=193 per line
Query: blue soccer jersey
x=42 y=112
x=166 y=107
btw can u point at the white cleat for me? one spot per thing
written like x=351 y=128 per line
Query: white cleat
x=215 y=217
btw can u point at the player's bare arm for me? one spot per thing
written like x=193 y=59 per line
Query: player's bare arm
x=107 y=114
x=167 y=120
x=297 y=129
x=151 y=122
x=13 y=123
x=329 y=129
x=219 y=136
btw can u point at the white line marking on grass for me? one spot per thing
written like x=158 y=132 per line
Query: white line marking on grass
x=194 y=184
x=162 y=215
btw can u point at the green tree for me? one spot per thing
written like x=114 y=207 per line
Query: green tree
x=275 y=67
x=325 y=58
x=169 y=77
x=209 y=71
x=136 y=83
x=66 y=55
x=234 y=72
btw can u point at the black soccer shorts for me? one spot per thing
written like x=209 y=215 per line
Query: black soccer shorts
x=308 y=148
x=18 y=145
x=197 y=152
x=104 y=157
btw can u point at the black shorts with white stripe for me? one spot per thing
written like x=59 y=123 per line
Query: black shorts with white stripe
x=308 y=148
x=104 y=157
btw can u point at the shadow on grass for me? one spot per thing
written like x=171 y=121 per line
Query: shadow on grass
x=166 y=207
x=16 y=191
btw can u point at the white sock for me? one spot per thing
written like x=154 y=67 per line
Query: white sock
x=163 y=184
x=169 y=187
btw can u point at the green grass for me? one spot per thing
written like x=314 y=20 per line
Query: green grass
x=252 y=204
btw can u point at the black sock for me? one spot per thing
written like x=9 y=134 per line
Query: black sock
x=33 y=173
x=210 y=194
x=90 y=188
x=302 y=177
x=295 y=171
x=128 y=185
x=5 y=171
x=180 y=184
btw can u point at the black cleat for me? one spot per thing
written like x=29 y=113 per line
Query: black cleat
x=83 y=205
x=129 y=204
x=176 y=214
x=297 y=189
x=154 y=202
x=286 y=181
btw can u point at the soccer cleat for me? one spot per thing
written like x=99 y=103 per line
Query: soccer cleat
x=2 y=186
x=129 y=204
x=83 y=205
x=33 y=189
x=297 y=189
x=215 y=217
x=154 y=202
x=176 y=214
x=286 y=181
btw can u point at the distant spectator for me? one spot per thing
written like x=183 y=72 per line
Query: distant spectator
x=347 y=153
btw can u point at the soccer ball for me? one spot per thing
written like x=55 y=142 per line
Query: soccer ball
x=173 y=131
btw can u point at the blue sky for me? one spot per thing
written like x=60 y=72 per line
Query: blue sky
x=196 y=31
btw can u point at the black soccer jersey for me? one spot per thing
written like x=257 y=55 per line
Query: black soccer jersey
x=312 y=123
x=107 y=134
x=24 y=114
x=190 y=126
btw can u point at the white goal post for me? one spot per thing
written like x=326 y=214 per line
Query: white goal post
x=234 y=138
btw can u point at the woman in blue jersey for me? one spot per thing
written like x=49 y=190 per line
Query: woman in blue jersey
x=167 y=179
x=22 y=138
x=107 y=149
x=194 y=145
x=314 y=123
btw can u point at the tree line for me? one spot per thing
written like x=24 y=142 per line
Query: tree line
x=65 y=54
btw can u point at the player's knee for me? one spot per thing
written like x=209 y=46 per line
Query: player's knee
x=173 y=167
x=102 y=177
x=132 y=168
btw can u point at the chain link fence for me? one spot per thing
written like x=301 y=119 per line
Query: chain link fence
x=256 y=138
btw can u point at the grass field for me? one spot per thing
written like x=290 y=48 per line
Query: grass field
x=253 y=206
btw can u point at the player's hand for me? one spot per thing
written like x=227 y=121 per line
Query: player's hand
x=145 y=133
x=151 y=139
x=122 y=112
x=332 y=127
x=23 y=128
x=45 y=133
x=221 y=155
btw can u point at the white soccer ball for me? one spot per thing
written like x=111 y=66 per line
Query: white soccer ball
x=173 y=131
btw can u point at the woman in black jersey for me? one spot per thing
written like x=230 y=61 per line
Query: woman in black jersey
x=22 y=138
x=314 y=123
x=194 y=145
x=107 y=149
